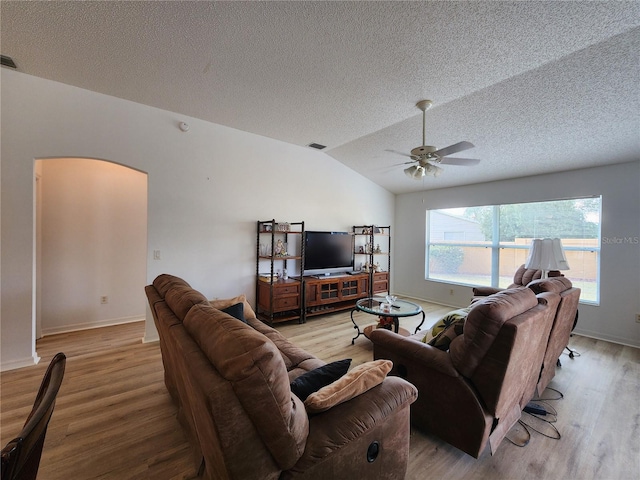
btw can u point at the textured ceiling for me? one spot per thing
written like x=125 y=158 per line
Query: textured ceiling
x=536 y=86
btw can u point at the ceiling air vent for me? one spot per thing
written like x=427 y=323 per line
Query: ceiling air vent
x=7 y=61
x=317 y=146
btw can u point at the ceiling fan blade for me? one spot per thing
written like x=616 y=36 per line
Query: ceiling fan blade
x=404 y=163
x=455 y=148
x=398 y=153
x=459 y=161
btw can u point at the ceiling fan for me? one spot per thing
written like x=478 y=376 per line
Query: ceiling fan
x=427 y=157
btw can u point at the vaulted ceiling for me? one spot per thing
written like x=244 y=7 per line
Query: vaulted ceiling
x=535 y=86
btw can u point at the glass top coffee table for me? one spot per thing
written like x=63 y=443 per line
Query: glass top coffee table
x=399 y=309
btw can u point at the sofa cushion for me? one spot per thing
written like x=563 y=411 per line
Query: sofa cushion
x=254 y=367
x=314 y=380
x=236 y=311
x=483 y=324
x=525 y=275
x=181 y=298
x=223 y=303
x=360 y=379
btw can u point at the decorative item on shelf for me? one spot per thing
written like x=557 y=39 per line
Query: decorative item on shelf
x=285 y=275
x=377 y=250
x=376 y=229
x=366 y=267
x=267 y=227
x=280 y=249
x=376 y=267
x=361 y=249
x=283 y=227
x=268 y=278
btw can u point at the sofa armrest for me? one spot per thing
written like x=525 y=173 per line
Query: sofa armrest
x=412 y=350
x=333 y=430
x=485 y=291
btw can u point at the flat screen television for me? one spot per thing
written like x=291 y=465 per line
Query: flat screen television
x=327 y=252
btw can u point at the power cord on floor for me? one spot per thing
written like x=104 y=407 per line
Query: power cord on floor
x=543 y=422
x=523 y=443
x=544 y=419
x=558 y=395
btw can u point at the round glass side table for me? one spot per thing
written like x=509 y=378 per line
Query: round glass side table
x=399 y=309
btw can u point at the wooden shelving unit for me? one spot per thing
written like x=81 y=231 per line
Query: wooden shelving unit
x=279 y=250
x=372 y=248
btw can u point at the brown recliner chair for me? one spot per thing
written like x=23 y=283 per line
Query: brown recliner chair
x=563 y=323
x=521 y=278
x=474 y=393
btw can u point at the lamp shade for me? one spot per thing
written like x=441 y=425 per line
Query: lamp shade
x=432 y=170
x=416 y=171
x=547 y=254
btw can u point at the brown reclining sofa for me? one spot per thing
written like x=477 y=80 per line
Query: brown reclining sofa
x=231 y=381
x=473 y=393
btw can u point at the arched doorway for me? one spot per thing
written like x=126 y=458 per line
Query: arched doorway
x=91 y=243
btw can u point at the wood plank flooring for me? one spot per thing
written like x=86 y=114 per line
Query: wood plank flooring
x=114 y=418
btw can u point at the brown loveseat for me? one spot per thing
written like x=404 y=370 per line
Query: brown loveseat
x=474 y=393
x=231 y=381
x=521 y=278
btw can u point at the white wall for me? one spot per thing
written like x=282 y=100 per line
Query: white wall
x=619 y=185
x=94 y=242
x=206 y=189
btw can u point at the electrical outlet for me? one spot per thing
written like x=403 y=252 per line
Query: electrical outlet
x=156 y=255
x=104 y=299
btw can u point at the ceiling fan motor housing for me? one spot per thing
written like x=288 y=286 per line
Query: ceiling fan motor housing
x=424 y=151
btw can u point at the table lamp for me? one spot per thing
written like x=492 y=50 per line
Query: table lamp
x=546 y=254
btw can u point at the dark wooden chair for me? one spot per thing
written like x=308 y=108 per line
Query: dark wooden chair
x=21 y=456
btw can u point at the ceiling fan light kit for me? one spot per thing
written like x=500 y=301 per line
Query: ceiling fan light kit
x=419 y=171
x=415 y=171
x=427 y=155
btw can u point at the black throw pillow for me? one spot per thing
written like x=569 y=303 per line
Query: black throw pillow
x=236 y=311
x=314 y=380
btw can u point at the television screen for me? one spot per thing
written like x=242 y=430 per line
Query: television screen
x=331 y=251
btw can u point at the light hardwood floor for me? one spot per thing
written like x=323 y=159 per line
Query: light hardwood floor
x=114 y=418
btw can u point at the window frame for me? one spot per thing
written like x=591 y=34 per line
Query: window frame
x=496 y=246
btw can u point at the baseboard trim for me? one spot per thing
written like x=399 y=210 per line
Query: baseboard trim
x=89 y=325
x=150 y=339
x=15 y=364
x=606 y=338
x=430 y=300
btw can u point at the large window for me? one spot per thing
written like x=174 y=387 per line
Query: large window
x=485 y=245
